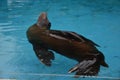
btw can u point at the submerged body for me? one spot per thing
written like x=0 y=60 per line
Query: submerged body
x=66 y=43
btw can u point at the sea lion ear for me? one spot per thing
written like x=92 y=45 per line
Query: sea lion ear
x=43 y=21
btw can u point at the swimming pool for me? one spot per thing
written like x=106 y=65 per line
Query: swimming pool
x=97 y=20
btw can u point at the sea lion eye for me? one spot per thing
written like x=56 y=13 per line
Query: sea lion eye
x=49 y=24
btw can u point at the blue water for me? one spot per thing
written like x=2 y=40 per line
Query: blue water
x=98 y=20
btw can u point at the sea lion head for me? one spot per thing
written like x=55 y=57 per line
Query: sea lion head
x=43 y=22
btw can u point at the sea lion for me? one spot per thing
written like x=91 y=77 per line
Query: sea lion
x=66 y=43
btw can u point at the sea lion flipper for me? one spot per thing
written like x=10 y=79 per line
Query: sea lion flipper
x=72 y=36
x=44 y=55
x=51 y=55
x=86 y=67
x=82 y=38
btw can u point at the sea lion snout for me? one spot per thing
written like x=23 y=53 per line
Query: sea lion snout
x=43 y=21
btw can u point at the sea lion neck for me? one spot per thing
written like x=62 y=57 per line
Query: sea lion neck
x=43 y=22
